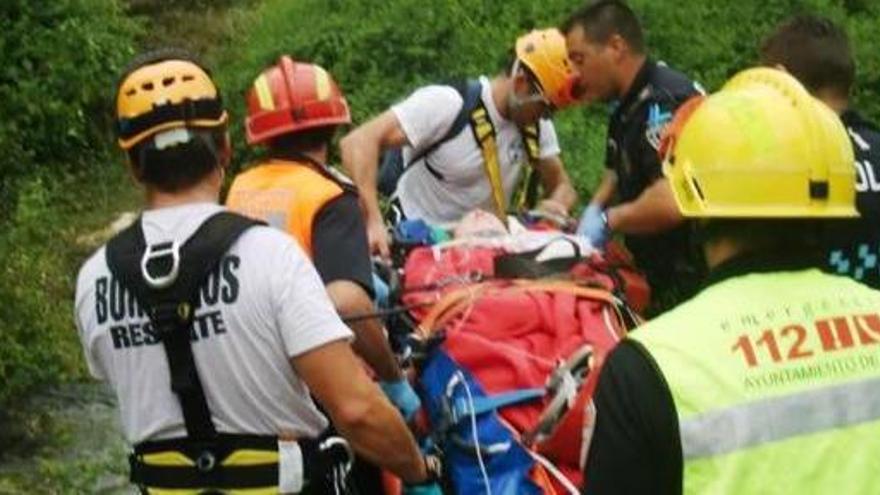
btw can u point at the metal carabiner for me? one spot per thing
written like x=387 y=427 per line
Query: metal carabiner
x=156 y=252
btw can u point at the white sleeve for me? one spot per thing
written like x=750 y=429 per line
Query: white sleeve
x=549 y=143
x=86 y=318
x=428 y=114
x=305 y=315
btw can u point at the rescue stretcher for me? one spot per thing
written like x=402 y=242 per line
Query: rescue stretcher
x=503 y=341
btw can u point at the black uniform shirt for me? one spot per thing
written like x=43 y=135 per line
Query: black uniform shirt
x=854 y=246
x=634 y=133
x=339 y=243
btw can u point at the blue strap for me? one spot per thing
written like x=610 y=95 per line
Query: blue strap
x=463 y=408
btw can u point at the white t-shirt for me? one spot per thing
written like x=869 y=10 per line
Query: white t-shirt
x=262 y=306
x=426 y=116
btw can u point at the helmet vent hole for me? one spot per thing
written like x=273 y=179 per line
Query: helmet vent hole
x=168 y=81
x=147 y=86
x=131 y=92
x=188 y=77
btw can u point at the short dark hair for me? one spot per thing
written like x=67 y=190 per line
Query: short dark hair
x=183 y=165
x=604 y=18
x=302 y=141
x=797 y=236
x=815 y=51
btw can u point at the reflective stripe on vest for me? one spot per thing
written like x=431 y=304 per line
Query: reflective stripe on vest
x=286 y=195
x=776 y=383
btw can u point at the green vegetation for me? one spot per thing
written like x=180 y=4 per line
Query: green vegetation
x=61 y=179
x=381 y=51
x=59 y=59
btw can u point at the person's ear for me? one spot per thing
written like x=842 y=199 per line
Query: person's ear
x=617 y=47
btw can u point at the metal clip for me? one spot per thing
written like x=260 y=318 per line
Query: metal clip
x=206 y=461
x=156 y=252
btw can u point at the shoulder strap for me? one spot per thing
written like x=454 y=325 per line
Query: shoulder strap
x=526 y=195
x=169 y=297
x=531 y=138
x=484 y=133
x=470 y=91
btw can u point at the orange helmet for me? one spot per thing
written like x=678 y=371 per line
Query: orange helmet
x=166 y=95
x=545 y=55
x=292 y=97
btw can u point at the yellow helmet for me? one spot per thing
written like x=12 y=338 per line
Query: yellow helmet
x=762 y=147
x=165 y=95
x=545 y=55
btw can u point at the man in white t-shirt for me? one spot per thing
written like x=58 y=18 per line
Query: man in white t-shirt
x=263 y=335
x=441 y=183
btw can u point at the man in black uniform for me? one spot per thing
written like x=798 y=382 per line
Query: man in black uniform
x=606 y=45
x=817 y=53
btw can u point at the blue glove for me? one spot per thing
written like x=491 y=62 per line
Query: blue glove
x=430 y=489
x=594 y=226
x=381 y=290
x=402 y=395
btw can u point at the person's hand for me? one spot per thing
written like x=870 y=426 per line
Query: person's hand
x=402 y=395
x=594 y=226
x=553 y=207
x=431 y=485
x=377 y=235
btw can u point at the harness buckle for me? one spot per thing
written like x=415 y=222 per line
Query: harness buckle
x=206 y=462
x=155 y=253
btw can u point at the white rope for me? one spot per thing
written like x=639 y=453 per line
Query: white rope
x=475 y=433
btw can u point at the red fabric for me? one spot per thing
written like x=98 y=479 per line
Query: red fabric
x=512 y=338
x=429 y=274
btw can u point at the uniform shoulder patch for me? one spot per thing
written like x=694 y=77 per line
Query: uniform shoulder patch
x=658 y=118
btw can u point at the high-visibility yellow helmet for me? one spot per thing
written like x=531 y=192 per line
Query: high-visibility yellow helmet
x=165 y=95
x=545 y=55
x=762 y=147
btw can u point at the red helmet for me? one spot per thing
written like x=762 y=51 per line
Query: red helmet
x=291 y=97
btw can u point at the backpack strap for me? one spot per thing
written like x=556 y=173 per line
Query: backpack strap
x=392 y=166
x=531 y=137
x=471 y=91
x=484 y=133
x=165 y=279
x=526 y=195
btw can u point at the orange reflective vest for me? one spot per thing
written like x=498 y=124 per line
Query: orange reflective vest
x=285 y=194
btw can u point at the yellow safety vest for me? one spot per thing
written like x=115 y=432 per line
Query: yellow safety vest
x=776 y=382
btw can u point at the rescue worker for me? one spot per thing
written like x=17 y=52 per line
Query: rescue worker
x=295 y=109
x=446 y=169
x=817 y=52
x=607 y=47
x=768 y=380
x=213 y=331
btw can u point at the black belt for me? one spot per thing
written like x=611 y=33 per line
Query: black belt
x=208 y=457
x=321 y=459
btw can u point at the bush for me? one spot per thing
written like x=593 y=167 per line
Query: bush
x=59 y=59
x=380 y=51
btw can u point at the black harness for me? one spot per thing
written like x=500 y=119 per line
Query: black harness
x=165 y=280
